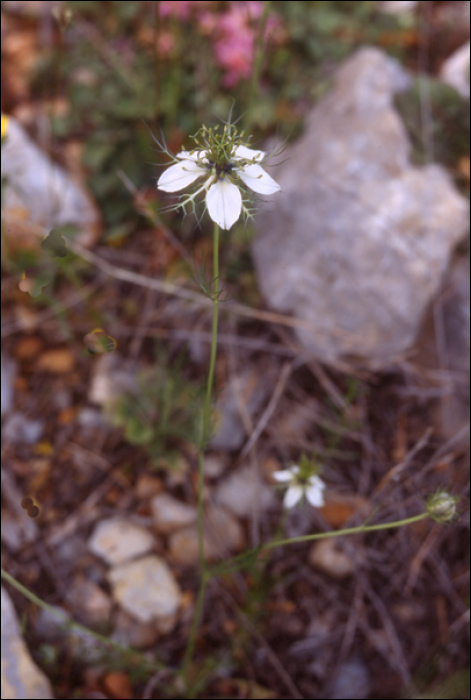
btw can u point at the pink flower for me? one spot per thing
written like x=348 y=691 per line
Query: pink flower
x=166 y=43
x=208 y=22
x=254 y=8
x=234 y=38
x=234 y=42
x=234 y=53
x=179 y=8
x=232 y=32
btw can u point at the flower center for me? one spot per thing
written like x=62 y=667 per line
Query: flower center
x=220 y=169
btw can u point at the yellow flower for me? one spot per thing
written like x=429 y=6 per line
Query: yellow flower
x=5 y=121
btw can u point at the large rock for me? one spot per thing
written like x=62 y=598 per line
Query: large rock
x=40 y=195
x=148 y=591
x=247 y=392
x=21 y=678
x=356 y=243
x=455 y=70
x=117 y=540
x=170 y=514
x=7 y=378
x=455 y=404
x=440 y=361
x=244 y=493
x=223 y=534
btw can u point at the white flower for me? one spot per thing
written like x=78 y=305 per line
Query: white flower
x=223 y=179
x=299 y=485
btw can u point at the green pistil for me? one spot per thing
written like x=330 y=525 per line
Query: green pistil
x=219 y=146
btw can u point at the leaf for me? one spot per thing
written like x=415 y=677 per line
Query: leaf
x=246 y=560
x=33 y=282
x=55 y=244
x=98 y=342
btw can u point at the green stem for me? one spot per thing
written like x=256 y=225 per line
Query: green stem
x=157 y=64
x=197 y=615
x=209 y=391
x=347 y=531
x=202 y=447
x=173 y=85
x=212 y=361
x=257 y=63
x=338 y=533
x=70 y=624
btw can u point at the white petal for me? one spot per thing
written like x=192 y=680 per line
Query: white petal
x=315 y=496
x=248 y=153
x=224 y=203
x=292 y=496
x=314 y=492
x=285 y=475
x=258 y=180
x=179 y=176
x=317 y=481
x=191 y=155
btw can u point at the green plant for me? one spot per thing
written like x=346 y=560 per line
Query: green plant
x=161 y=412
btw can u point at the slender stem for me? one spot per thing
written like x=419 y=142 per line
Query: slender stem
x=197 y=615
x=338 y=533
x=257 y=63
x=64 y=620
x=173 y=86
x=157 y=61
x=347 y=531
x=209 y=391
x=205 y=429
x=212 y=361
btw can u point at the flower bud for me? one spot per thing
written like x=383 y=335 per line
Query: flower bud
x=442 y=507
